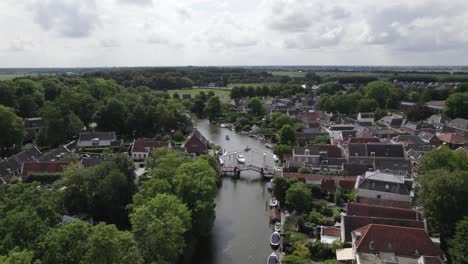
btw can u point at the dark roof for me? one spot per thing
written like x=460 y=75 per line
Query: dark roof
x=459 y=123
x=440 y=119
x=364 y=140
x=379 y=150
x=407 y=139
x=33 y=122
x=402 y=241
x=55 y=154
x=391 y=121
x=341 y=127
x=88 y=136
x=147 y=145
x=366 y=114
x=359 y=209
x=93 y=161
x=383 y=202
x=348 y=134
x=426 y=136
x=332 y=150
x=29 y=155
x=42 y=167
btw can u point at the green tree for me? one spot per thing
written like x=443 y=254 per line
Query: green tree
x=287 y=135
x=456 y=105
x=112 y=116
x=159 y=227
x=304 y=170
x=108 y=245
x=7 y=94
x=280 y=187
x=19 y=257
x=195 y=185
x=213 y=108
x=380 y=91
x=442 y=194
x=282 y=150
x=255 y=106
x=58 y=125
x=367 y=105
x=12 y=131
x=379 y=113
x=330 y=88
x=66 y=243
x=443 y=158
x=458 y=248
x=298 y=197
x=294 y=259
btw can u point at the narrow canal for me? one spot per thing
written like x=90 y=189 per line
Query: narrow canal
x=241 y=232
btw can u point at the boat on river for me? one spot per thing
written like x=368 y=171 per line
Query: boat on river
x=227 y=137
x=272 y=259
x=240 y=159
x=247 y=149
x=273 y=202
x=275 y=240
x=277 y=227
x=275 y=158
x=222 y=125
x=268 y=145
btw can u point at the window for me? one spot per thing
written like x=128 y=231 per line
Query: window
x=389 y=245
x=371 y=245
x=387 y=187
x=379 y=196
x=372 y=154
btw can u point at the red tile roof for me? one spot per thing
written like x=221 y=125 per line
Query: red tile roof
x=329 y=184
x=331 y=231
x=402 y=241
x=453 y=138
x=384 y=202
x=42 y=167
x=146 y=145
x=318 y=178
x=358 y=209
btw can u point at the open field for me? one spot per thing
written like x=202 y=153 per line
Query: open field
x=289 y=73
x=4 y=77
x=250 y=84
x=193 y=92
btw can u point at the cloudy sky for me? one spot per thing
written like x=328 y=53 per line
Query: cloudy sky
x=88 y=33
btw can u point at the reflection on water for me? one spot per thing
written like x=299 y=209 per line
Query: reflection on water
x=241 y=231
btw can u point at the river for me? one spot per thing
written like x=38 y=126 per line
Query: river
x=241 y=231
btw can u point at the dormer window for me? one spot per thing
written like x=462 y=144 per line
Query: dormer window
x=371 y=245
x=95 y=141
x=372 y=154
x=307 y=152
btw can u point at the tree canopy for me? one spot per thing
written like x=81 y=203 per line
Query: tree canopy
x=12 y=131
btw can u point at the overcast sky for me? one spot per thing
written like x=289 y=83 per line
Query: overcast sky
x=88 y=33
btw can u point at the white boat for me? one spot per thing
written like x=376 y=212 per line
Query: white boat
x=275 y=158
x=275 y=240
x=272 y=259
x=270 y=186
x=222 y=125
x=277 y=227
x=221 y=161
x=268 y=145
x=273 y=202
x=240 y=159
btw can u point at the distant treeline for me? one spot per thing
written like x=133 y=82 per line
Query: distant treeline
x=351 y=79
x=183 y=77
x=420 y=78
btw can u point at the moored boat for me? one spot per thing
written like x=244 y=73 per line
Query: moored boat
x=273 y=202
x=277 y=227
x=227 y=137
x=272 y=259
x=275 y=240
x=241 y=159
x=268 y=145
x=221 y=161
x=247 y=149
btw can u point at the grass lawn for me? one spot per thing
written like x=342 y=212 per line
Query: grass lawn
x=4 y=77
x=250 y=84
x=289 y=73
x=194 y=92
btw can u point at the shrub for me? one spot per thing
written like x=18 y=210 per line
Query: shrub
x=304 y=170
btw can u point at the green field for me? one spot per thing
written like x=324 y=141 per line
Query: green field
x=4 y=77
x=193 y=92
x=250 y=84
x=289 y=73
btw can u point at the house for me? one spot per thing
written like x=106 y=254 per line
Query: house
x=383 y=202
x=87 y=162
x=317 y=157
x=429 y=138
x=413 y=128
x=392 y=244
x=11 y=166
x=384 y=185
x=407 y=140
x=379 y=133
x=453 y=140
x=357 y=215
x=328 y=234
x=56 y=154
x=335 y=131
x=196 y=144
x=41 y=167
x=458 y=126
x=363 y=140
x=308 y=134
x=378 y=156
x=365 y=118
x=437 y=121
x=141 y=148
x=329 y=185
x=310 y=119
x=316 y=179
x=96 y=139
x=391 y=121
x=32 y=126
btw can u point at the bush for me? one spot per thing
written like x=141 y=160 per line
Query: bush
x=320 y=251
x=316 y=218
x=304 y=170
x=178 y=136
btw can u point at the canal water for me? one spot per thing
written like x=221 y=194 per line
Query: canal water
x=241 y=231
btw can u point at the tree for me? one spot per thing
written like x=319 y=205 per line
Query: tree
x=294 y=259
x=213 y=108
x=108 y=245
x=255 y=106
x=280 y=187
x=112 y=116
x=298 y=197
x=281 y=151
x=198 y=106
x=312 y=77
x=12 y=131
x=58 y=125
x=195 y=184
x=7 y=94
x=159 y=227
x=66 y=243
x=443 y=158
x=456 y=105
x=379 y=113
x=330 y=88
x=367 y=105
x=19 y=257
x=279 y=120
x=458 y=248
x=304 y=170
x=380 y=91
x=442 y=194
x=287 y=135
